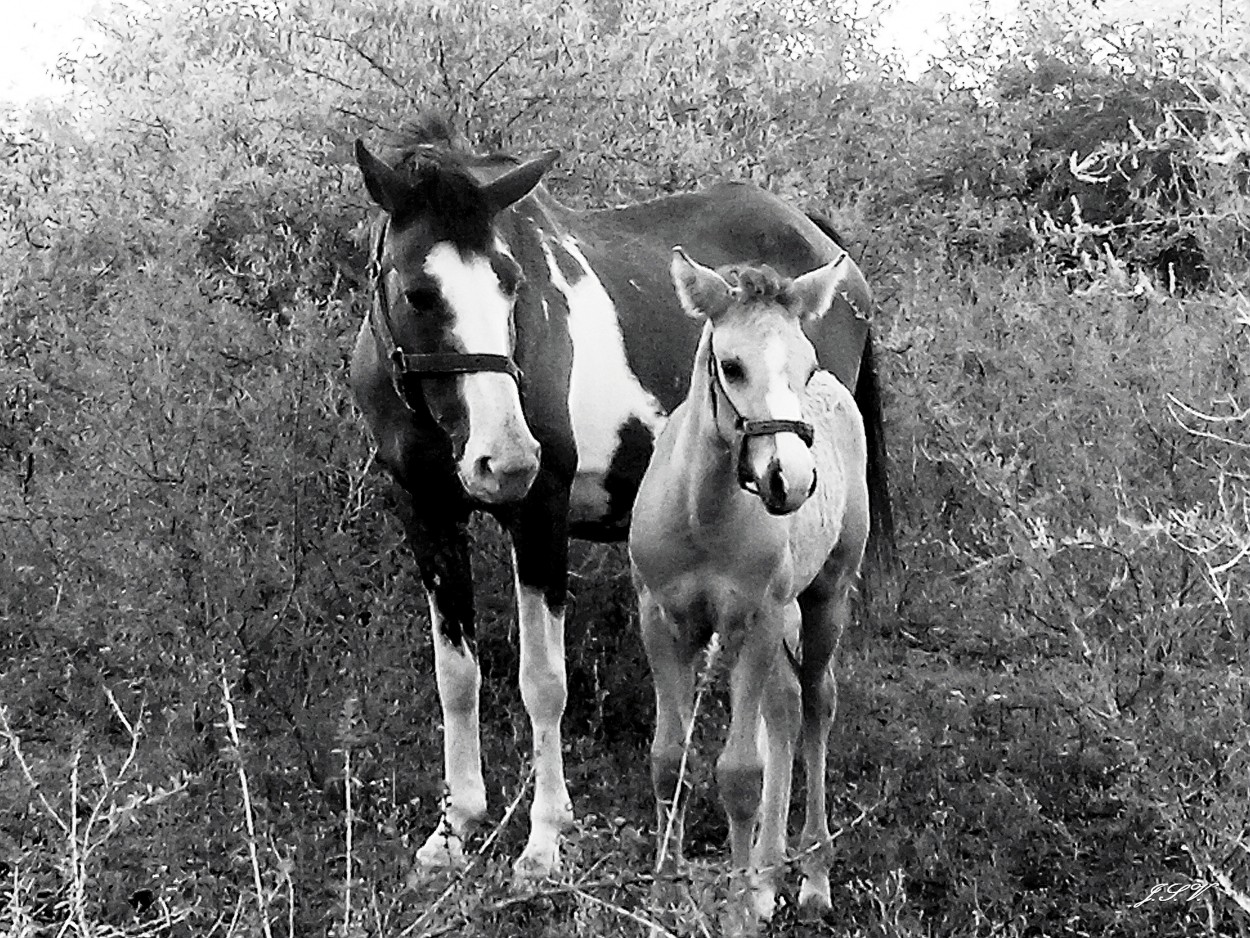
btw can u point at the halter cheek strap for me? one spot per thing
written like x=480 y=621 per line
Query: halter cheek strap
x=419 y=365
x=747 y=427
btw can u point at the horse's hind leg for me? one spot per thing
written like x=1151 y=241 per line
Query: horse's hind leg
x=825 y=606
x=671 y=657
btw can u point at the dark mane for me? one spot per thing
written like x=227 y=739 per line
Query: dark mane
x=437 y=163
x=431 y=137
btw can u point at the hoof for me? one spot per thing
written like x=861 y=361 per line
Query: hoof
x=539 y=861
x=814 y=898
x=441 y=852
x=764 y=902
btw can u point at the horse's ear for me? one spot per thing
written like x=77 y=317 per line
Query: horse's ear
x=704 y=294
x=812 y=295
x=516 y=184
x=386 y=187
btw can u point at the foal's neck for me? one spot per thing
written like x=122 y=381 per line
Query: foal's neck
x=711 y=487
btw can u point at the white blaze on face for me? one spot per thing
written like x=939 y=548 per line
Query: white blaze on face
x=481 y=321
x=782 y=402
x=603 y=392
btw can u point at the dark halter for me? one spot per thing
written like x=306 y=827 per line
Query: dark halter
x=747 y=428
x=423 y=364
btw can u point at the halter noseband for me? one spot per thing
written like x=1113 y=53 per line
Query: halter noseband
x=423 y=364
x=748 y=427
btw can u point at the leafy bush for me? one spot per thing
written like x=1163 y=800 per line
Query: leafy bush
x=1045 y=727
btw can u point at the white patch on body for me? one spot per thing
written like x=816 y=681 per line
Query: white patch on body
x=603 y=392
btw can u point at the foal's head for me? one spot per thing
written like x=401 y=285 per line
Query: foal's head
x=449 y=288
x=759 y=364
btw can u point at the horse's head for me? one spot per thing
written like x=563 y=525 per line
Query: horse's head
x=759 y=362
x=446 y=287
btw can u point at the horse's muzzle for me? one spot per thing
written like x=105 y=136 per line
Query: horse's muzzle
x=778 y=497
x=500 y=479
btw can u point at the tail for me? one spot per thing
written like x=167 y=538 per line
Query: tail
x=881 y=554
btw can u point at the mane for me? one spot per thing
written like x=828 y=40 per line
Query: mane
x=433 y=138
x=437 y=161
x=757 y=284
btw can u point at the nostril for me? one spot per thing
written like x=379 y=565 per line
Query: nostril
x=777 y=486
x=483 y=466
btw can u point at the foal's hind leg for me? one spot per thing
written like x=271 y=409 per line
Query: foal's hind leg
x=825 y=607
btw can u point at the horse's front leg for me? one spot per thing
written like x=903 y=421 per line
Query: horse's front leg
x=540 y=562
x=442 y=548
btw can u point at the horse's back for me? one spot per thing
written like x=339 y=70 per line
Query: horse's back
x=727 y=223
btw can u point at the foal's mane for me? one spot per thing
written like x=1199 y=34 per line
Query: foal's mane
x=757 y=284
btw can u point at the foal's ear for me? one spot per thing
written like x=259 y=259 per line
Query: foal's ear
x=812 y=295
x=516 y=184
x=704 y=294
x=386 y=187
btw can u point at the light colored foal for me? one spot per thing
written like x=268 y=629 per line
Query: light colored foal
x=751 y=522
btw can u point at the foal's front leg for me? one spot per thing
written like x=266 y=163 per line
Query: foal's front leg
x=740 y=769
x=540 y=563
x=781 y=711
x=670 y=655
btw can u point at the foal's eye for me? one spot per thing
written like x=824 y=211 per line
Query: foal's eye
x=733 y=370
x=810 y=375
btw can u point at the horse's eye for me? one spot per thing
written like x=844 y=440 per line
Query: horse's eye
x=422 y=297
x=810 y=375
x=733 y=370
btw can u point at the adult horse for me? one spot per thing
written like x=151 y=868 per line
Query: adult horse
x=518 y=358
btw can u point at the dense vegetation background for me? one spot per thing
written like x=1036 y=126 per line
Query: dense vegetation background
x=214 y=667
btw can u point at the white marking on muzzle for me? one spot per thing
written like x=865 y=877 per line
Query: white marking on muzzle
x=782 y=403
x=481 y=320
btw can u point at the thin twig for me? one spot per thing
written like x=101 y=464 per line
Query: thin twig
x=502 y=62
x=462 y=874
x=232 y=726
x=713 y=650
x=15 y=744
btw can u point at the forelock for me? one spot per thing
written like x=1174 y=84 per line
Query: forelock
x=450 y=200
x=757 y=284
